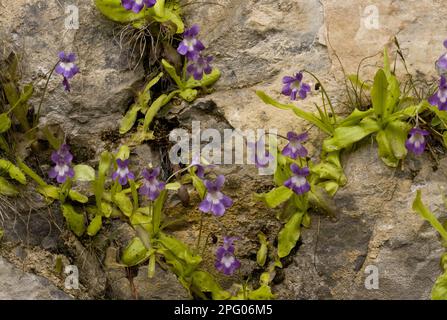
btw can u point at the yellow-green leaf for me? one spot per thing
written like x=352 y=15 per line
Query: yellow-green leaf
x=5 y=122
x=124 y=203
x=49 y=192
x=13 y=171
x=189 y=95
x=75 y=221
x=173 y=186
x=439 y=291
x=205 y=283
x=123 y=153
x=78 y=197
x=346 y=136
x=129 y=119
x=84 y=173
x=170 y=69
x=261 y=256
x=7 y=188
x=207 y=80
x=94 y=226
x=425 y=213
x=277 y=196
x=135 y=253
x=289 y=235
x=114 y=10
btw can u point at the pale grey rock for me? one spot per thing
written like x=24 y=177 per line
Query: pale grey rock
x=18 y=285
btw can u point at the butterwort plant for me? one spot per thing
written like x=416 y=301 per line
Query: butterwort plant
x=192 y=48
x=292 y=189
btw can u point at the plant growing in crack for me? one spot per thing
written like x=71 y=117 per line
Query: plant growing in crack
x=397 y=120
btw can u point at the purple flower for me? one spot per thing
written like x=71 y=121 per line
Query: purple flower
x=226 y=261
x=137 y=5
x=67 y=68
x=151 y=187
x=294 y=148
x=200 y=66
x=259 y=155
x=215 y=201
x=417 y=141
x=122 y=174
x=294 y=86
x=191 y=46
x=298 y=182
x=62 y=159
x=440 y=97
x=441 y=64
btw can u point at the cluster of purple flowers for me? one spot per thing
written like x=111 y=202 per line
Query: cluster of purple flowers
x=62 y=159
x=216 y=203
x=151 y=187
x=192 y=48
x=137 y=5
x=417 y=139
x=294 y=150
x=67 y=68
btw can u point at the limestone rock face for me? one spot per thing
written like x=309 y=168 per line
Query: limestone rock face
x=375 y=228
x=255 y=43
x=102 y=90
